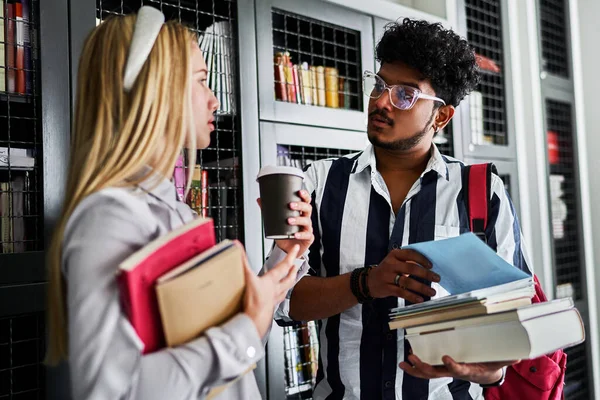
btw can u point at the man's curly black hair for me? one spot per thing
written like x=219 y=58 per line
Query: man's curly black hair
x=439 y=54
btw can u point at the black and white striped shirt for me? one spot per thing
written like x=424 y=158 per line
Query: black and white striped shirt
x=355 y=226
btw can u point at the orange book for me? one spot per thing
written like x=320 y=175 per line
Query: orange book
x=331 y=87
x=289 y=77
x=279 y=76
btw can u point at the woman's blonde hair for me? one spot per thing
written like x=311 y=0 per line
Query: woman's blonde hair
x=117 y=133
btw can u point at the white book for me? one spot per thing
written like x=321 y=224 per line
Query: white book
x=521 y=335
x=16 y=158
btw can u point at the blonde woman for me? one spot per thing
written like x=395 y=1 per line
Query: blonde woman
x=142 y=97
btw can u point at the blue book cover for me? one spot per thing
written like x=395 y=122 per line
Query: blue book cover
x=465 y=264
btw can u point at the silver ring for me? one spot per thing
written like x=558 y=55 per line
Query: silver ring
x=397 y=280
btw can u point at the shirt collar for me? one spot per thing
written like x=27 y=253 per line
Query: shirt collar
x=158 y=187
x=436 y=162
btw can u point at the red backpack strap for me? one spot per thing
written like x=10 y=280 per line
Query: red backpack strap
x=478 y=179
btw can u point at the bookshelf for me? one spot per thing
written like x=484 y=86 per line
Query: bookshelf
x=316 y=55
x=34 y=129
x=489 y=120
x=215 y=23
x=292 y=351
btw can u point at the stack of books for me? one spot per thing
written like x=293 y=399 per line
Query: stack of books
x=216 y=44
x=16 y=64
x=311 y=85
x=163 y=284
x=488 y=315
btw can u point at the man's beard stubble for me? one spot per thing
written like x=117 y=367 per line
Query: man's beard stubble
x=399 y=144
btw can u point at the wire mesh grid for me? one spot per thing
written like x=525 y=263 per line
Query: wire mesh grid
x=301 y=349
x=316 y=63
x=444 y=140
x=21 y=352
x=216 y=190
x=484 y=31
x=576 y=377
x=506 y=180
x=553 y=27
x=563 y=193
x=301 y=156
x=301 y=343
x=20 y=130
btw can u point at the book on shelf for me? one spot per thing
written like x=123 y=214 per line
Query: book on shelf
x=215 y=44
x=27 y=62
x=19 y=49
x=2 y=49
x=321 y=96
x=139 y=272
x=307 y=84
x=16 y=158
x=331 y=87
x=11 y=75
x=279 y=77
x=315 y=84
x=198 y=193
x=12 y=212
x=524 y=333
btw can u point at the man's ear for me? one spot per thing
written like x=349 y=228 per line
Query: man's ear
x=444 y=115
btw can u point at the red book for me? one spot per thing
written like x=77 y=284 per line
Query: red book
x=11 y=75
x=139 y=272
x=20 y=49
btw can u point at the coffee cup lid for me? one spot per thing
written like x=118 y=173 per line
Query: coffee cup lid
x=273 y=169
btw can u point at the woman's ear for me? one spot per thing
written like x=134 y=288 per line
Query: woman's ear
x=444 y=115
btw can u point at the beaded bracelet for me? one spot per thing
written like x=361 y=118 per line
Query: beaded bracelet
x=365 y=287
x=355 y=285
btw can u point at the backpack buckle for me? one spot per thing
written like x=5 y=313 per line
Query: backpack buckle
x=481 y=235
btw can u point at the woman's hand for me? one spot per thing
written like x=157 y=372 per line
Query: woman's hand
x=304 y=238
x=483 y=373
x=265 y=292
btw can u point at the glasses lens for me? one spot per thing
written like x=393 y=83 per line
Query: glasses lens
x=373 y=86
x=403 y=97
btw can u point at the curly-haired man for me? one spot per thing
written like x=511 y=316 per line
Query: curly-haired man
x=366 y=206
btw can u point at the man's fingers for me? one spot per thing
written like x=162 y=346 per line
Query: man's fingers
x=303 y=235
x=405 y=294
x=411 y=255
x=406 y=268
x=406 y=282
x=259 y=202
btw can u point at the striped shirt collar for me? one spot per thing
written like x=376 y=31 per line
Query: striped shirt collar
x=436 y=162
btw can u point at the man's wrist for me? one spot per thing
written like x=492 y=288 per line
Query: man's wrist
x=496 y=382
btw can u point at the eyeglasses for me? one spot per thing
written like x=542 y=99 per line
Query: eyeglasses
x=401 y=96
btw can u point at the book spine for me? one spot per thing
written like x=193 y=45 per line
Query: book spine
x=27 y=47
x=321 y=86
x=297 y=90
x=289 y=78
x=306 y=84
x=341 y=98
x=10 y=49
x=331 y=86
x=300 y=86
x=313 y=82
x=20 y=50
x=279 y=77
x=204 y=193
x=2 y=49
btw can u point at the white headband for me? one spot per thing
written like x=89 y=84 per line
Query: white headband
x=147 y=26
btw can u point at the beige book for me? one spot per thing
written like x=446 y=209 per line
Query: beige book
x=202 y=293
x=306 y=80
x=321 y=101
x=456 y=312
x=313 y=82
x=521 y=334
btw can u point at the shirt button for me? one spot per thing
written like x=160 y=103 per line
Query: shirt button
x=389 y=336
x=251 y=352
x=388 y=384
x=533 y=369
x=395 y=246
